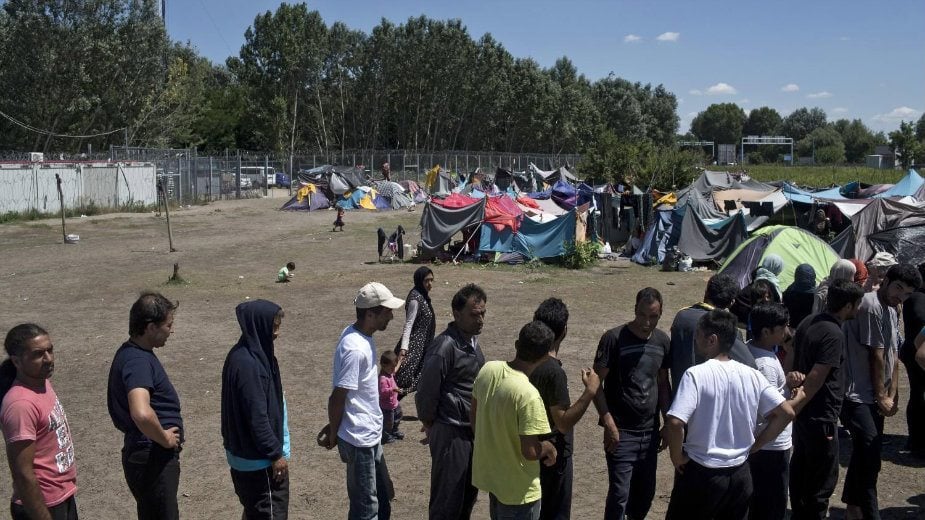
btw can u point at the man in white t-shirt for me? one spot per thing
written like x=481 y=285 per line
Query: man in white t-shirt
x=719 y=401
x=355 y=419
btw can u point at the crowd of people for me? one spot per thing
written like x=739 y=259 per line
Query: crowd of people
x=745 y=390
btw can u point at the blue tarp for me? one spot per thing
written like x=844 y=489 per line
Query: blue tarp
x=795 y=194
x=491 y=239
x=565 y=195
x=546 y=240
x=907 y=186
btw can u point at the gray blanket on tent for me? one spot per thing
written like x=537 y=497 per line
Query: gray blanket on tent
x=702 y=242
x=438 y=224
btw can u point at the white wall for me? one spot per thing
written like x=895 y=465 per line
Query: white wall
x=32 y=186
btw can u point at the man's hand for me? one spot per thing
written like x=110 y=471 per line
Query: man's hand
x=172 y=436
x=548 y=454
x=663 y=440
x=886 y=406
x=325 y=439
x=611 y=436
x=280 y=469
x=679 y=462
x=795 y=379
x=590 y=379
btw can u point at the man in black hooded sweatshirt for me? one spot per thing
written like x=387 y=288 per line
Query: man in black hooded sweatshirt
x=254 y=423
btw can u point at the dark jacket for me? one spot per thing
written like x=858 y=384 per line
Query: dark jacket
x=445 y=388
x=252 y=392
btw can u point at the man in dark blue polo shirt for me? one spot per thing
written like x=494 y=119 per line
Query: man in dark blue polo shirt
x=144 y=405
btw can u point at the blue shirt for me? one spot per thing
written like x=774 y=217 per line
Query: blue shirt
x=135 y=367
x=242 y=464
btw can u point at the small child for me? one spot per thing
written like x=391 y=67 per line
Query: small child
x=339 y=222
x=388 y=397
x=285 y=274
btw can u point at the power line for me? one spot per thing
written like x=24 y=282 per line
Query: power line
x=53 y=134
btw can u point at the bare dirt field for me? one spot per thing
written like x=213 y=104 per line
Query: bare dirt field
x=230 y=251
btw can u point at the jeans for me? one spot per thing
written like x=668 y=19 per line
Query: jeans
x=261 y=495
x=153 y=476
x=556 y=483
x=813 y=468
x=770 y=471
x=499 y=511
x=66 y=510
x=866 y=426
x=710 y=493
x=391 y=419
x=368 y=485
x=631 y=472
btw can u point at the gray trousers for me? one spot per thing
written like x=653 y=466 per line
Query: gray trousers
x=452 y=494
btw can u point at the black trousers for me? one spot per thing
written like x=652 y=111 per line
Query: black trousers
x=153 y=476
x=261 y=495
x=813 y=468
x=66 y=510
x=452 y=494
x=866 y=426
x=915 y=408
x=770 y=477
x=556 y=483
x=708 y=493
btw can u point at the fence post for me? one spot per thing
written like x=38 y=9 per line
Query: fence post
x=211 y=181
x=266 y=180
x=237 y=180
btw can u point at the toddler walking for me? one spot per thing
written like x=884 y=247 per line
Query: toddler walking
x=339 y=221
x=388 y=397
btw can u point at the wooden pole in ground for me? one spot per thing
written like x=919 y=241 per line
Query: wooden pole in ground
x=61 y=201
x=160 y=189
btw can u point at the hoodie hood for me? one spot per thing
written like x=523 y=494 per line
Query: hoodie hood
x=256 y=321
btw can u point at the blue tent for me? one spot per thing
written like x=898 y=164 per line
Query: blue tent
x=533 y=239
x=906 y=187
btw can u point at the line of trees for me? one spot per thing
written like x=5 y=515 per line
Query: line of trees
x=829 y=142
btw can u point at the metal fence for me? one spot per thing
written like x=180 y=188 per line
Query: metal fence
x=189 y=177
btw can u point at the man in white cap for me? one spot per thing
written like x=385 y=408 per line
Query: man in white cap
x=355 y=419
x=877 y=268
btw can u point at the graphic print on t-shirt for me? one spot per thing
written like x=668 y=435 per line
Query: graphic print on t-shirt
x=57 y=423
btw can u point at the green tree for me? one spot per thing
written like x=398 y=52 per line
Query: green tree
x=859 y=140
x=801 y=122
x=764 y=121
x=825 y=144
x=722 y=123
x=906 y=145
x=920 y=128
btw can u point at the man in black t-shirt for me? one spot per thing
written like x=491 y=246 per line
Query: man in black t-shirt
x=550 y=379
x=632 y=361
x=818 y=350
x=144 y=406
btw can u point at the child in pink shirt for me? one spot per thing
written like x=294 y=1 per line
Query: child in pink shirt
x=388 y=397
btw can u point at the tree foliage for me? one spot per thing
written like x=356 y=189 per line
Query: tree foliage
x=906 y=145
x=801 y=122
x=720 y=122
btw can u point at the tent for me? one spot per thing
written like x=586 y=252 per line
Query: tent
x=794 y=245
x=307 y=198
x=895 y=226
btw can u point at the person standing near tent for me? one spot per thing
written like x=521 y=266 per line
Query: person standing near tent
x=145 y=407
x=551 y=381
x=443 y=401
x=354 y=416
x=39 y=445
x=420 y=327
x=771 y=267
x=877 y=268
x=799 y=297
x=841 y=270
x=913 y=322
x=818 y=351
x=255 y=429
x=720 y=294
x=872 y=385
x=386 y=172
x=339 y=221
x=632 y=361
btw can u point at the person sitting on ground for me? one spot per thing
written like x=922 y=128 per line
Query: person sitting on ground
x=285 y=274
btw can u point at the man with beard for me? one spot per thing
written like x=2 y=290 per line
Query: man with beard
x=444 y=399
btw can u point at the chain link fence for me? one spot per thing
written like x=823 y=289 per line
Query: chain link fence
x=190 y=178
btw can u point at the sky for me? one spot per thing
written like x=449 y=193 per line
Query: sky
x=854 y=59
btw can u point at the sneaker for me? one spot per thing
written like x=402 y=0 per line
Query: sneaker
x=398 y=435
x=387 y=439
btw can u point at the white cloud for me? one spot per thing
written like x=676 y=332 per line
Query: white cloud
x=898 y=114
x=819 y=95
x=668 y=37
x=631 y=38
x=722 y=89
x=695 y=92
x=839 y=110
x=790 y=87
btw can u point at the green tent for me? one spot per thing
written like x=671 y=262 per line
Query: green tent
x=794 y=245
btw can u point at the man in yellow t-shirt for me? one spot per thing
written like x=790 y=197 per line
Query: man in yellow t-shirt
x=508 y=417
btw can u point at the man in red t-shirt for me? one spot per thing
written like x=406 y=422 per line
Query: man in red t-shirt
x=38 y=439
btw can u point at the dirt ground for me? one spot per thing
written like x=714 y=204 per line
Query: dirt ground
x=230 y=251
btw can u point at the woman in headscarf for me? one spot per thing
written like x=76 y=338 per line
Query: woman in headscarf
x=799 y=297
x=769 y=270
x=860 y=272
x=254 y=425
x=420 y=327
x=840 y=270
